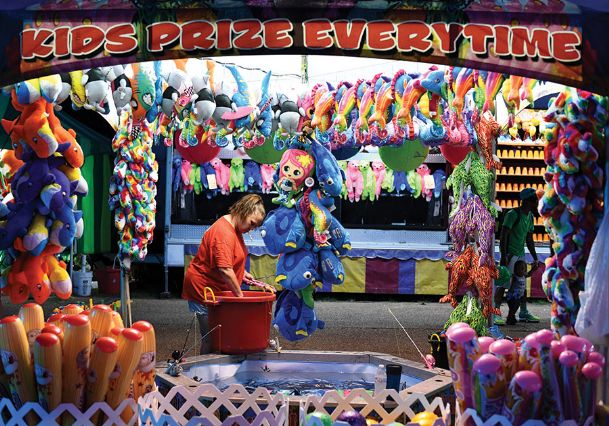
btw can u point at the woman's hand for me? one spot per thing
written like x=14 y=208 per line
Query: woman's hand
x=248 y=276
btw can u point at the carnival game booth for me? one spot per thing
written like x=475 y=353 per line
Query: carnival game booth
x=492 y=53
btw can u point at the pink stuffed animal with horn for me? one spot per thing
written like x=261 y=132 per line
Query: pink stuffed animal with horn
x=222 y=175
x=379 y=170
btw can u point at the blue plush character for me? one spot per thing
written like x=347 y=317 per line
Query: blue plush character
x=400 y=183
x=339 y=237
x=253 y=177
x=241 y=98
x=332 y=270
x=208 y=169
x=264 y=120
x=297 y=270
x=439 y=177
x=176 y=169
x=328 y=172
x=294 y=318
x=283 y=231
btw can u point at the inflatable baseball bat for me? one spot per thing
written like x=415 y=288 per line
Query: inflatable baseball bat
x=505 y=350
x=551 y=408
x=571 y=397
x=485 y=342
x=591 y=372
x=523 y=397
x=489 y=385
x=16 y=360
x=463 y=350
x=72 y=309
x=103 y=362
x=56 y=319
x=529 y=354
x=101 y=321
x=118 y=321
x=53 y=329
x=76 y=342
x=144 y=377
x=130 y=345
x=33 y=320
x=47 y=364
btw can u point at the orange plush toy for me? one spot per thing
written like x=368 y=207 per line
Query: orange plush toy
x=481 y=277
x=73 y=152
x=31 y=132
x=459 y=270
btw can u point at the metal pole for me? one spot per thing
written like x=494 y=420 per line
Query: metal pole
x=167 y=225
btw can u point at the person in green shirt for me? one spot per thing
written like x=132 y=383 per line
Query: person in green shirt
x=516 y=232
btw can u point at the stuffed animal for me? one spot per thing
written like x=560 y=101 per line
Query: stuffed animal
x=354 y=181
x=414 y=181
x=297 y=270
x=328 y=172
x=294 y=318
x=222 y=175
x=332 y=270
x=237 y=175
x=267 y=171
x=319 y=206
x=289 y=116
x=487 y=129
x=400 y=183
x=379 y=171
x=369 y=184
x=339 y=237
x=295 y=167
x=283 y=231
x=96 y=90
x=31 y=132
x=423 y=172
x=253 y=178
x=481 y=275
x=122 y=92
x=66 y=139
x=458 y=275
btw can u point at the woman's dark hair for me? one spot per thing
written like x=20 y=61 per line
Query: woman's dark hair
x=250 y=204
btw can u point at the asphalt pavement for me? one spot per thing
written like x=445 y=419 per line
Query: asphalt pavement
x=351 y=325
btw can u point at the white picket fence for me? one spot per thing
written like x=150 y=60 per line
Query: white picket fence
x=333 y=403
x=206 y=405
x=32 y=413
x=470 y=417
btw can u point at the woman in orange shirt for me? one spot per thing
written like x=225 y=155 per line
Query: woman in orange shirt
x=220 y=261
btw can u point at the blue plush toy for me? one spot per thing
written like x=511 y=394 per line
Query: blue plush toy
x=297 y=270
x=332 y=270
x=339 y=237
x=400 y=183
x=294 y=318
x=253 y=177
x=176 y=171
x=208 y=169
x=328 y=172
x=283 y=231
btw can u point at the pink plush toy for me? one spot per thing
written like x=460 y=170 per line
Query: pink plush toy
x=379 y=170
x=222 y=175
x=185 y=172
x=267 y=171
x=423 y=171
x=354 y=181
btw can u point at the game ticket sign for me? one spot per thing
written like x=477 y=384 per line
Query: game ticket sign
x=549 y=45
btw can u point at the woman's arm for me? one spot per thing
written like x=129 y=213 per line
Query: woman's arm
x=229 y=277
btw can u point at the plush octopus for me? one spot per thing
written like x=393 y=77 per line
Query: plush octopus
x=481 y=277
x=487 y=129
x=459 y=271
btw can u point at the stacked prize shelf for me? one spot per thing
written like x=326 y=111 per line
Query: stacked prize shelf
x=523 y=167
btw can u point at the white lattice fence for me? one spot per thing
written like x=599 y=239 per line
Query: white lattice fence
x=470 y=417
x=207 y=405
x=33 y=413
x=366 y=404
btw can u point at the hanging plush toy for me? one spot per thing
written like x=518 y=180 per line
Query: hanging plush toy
x=369 y=184
x=379 y=171
x=354 y=181
x=253 y=179
x=96 y=90
x=222 y=175
x=267 y=171
x=237 y=175
x=294 y=168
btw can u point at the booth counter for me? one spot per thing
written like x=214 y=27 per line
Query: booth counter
x=380 y=261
